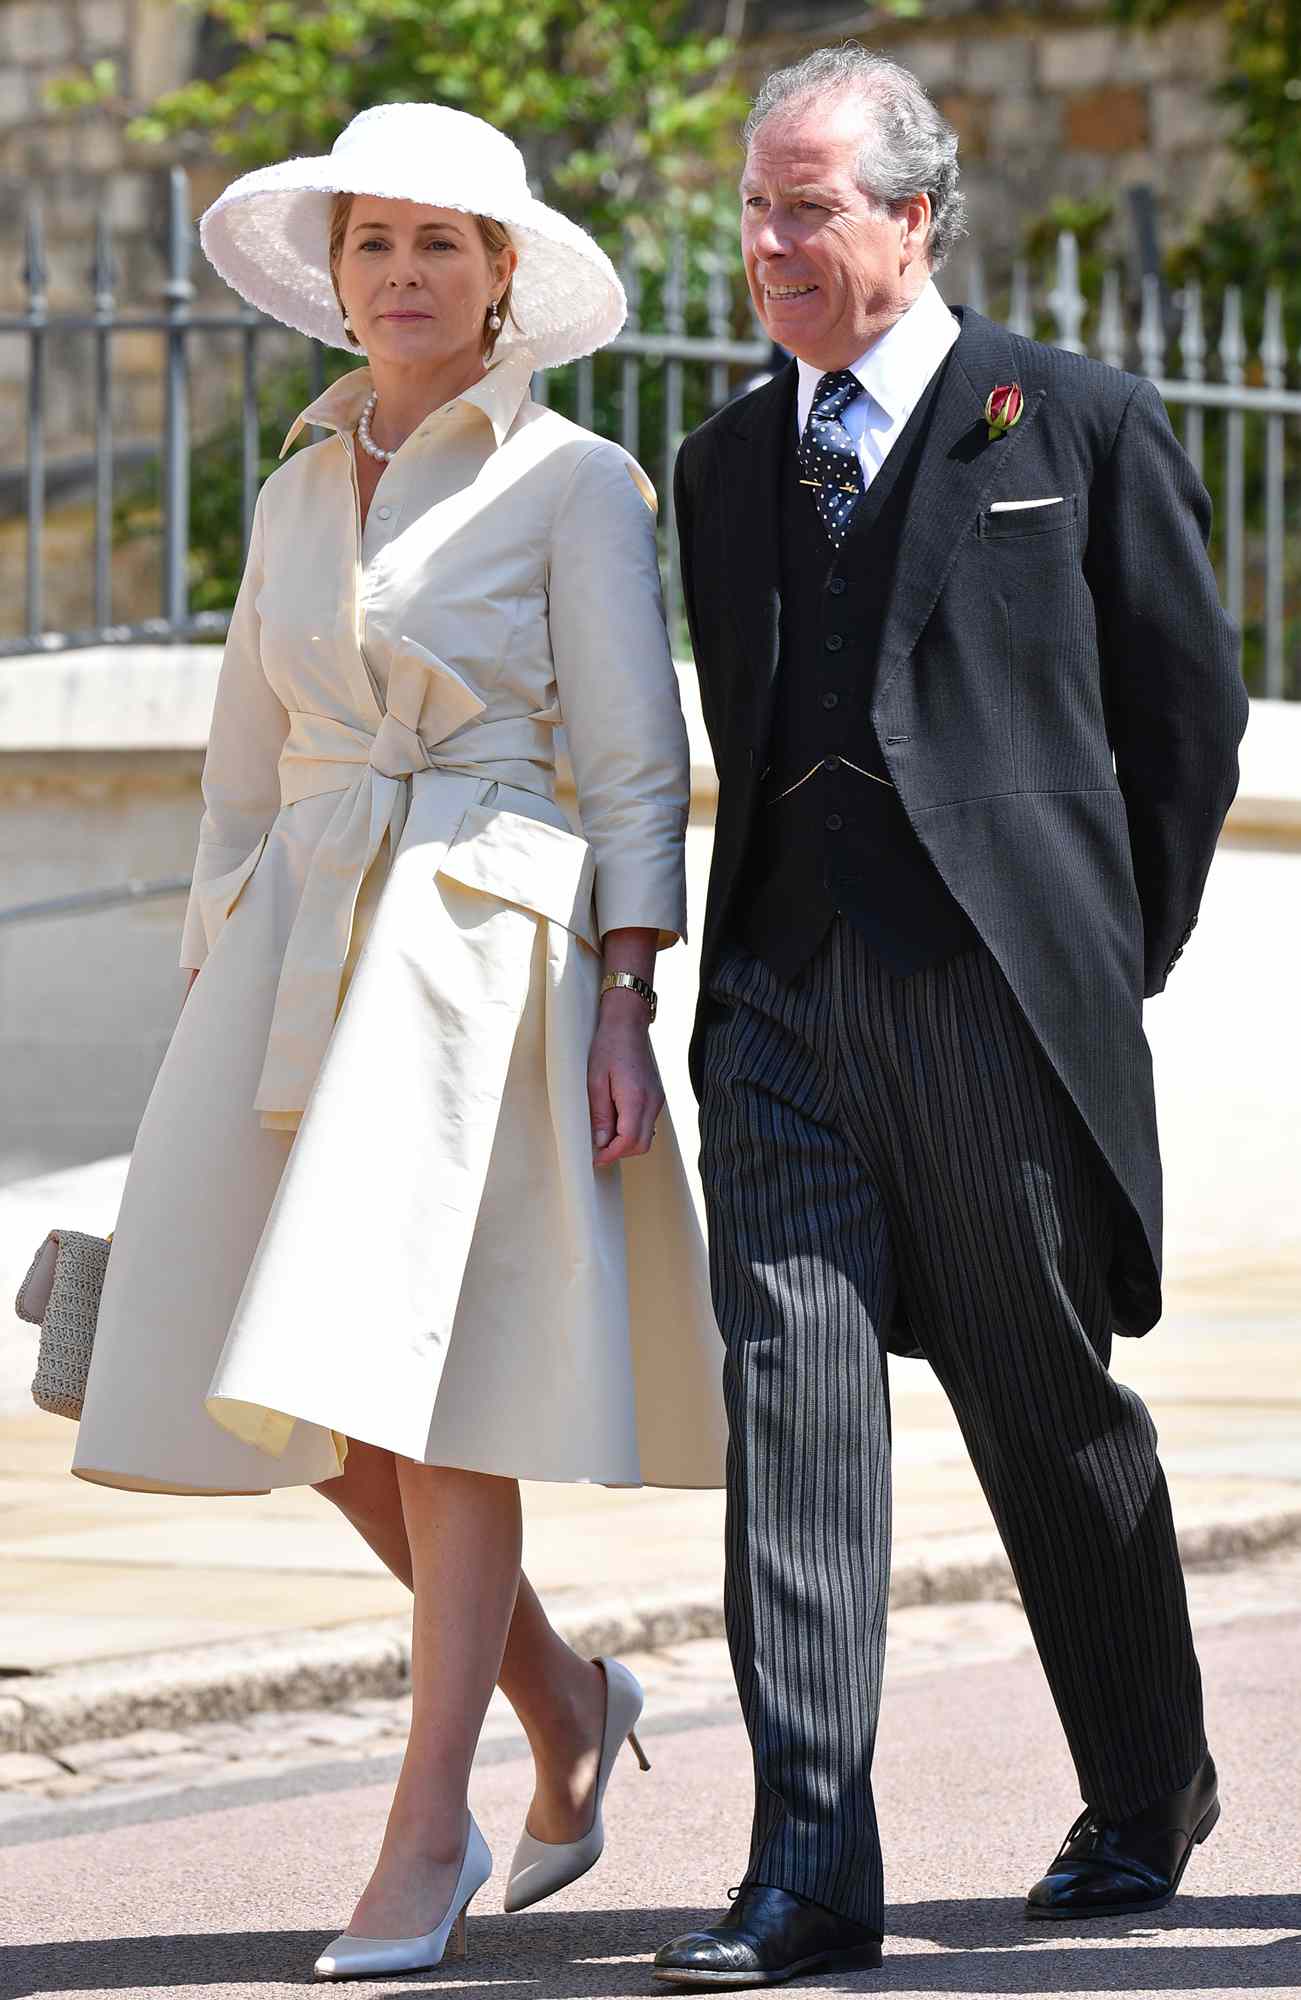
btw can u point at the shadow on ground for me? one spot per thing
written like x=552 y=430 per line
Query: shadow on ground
x=986 y=1947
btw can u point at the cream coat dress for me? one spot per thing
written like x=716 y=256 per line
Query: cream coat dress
x=362 y=1200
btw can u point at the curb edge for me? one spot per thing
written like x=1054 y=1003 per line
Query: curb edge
x=315 y=1669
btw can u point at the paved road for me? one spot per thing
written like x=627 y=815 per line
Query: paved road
x=174 y=1881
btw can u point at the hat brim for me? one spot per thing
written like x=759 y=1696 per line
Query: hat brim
x=268 y=237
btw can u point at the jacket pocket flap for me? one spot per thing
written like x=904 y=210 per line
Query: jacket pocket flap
x=525 y=861
x=218 y=896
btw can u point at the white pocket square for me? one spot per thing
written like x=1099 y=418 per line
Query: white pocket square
x=1015 y=506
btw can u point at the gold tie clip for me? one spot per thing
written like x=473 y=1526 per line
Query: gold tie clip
x=828 y=482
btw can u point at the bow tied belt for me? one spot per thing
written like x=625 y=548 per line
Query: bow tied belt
x=426 y=702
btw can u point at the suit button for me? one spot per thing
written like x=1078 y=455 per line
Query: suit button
x=383 y=512
x=833 y=822
x=833 y=642
x=837 y=586
x=831 y=701
x=831 y=763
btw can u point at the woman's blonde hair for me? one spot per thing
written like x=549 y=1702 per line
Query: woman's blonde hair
x=494 y=236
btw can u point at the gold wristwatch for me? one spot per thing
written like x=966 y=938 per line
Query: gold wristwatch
x=641 y=987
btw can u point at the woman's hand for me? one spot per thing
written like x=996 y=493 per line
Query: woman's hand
x=623 y=1083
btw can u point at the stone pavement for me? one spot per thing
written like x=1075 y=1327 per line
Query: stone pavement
x=233 y=1880
x=89 y=1575
x=75 y=1783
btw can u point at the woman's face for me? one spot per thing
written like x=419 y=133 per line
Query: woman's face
x=417 y=283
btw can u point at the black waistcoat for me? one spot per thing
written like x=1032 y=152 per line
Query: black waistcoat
x=840 y=841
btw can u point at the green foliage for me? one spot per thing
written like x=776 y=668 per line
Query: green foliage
x=1255 y=232
x=1249 y=240
x=626 y=118
x=1088 y=220
x=628 y=122
x=85 y=91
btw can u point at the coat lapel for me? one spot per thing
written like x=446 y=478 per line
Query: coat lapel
x=751 y=454
x=961 y=465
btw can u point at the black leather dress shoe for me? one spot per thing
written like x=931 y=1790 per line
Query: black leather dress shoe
x=1121 y=1868
x=767 y=1936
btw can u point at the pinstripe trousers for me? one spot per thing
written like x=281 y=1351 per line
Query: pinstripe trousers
x=864 y=1136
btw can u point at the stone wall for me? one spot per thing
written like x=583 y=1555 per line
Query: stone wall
x=1049 y=99
x=79 y=166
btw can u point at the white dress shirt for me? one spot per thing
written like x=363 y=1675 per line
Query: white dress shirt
x=894 y=372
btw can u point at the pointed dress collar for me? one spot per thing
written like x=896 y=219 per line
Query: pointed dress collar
x=498 y=395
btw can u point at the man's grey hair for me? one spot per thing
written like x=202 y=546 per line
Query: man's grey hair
x=910 y=147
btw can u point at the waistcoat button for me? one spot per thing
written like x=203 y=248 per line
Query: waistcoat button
x=833 y=822
x=831 y=763
x=837 y=586
x=831 y=701
x=834 y=641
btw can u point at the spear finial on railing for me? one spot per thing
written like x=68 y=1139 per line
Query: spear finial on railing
x=1273 y=342
x=1233 y=348
x=1151 y=327
x=177 y=288
x=1066 y=301
x=102 y=280
x=1273 y=361
x=35 y=278
x=630 y=273
x=1111 y=322
x=1233 y=355
x=675 y=287
x=718 y=300
x=176 y=423
x=35 y=270
x=675 y=322
x=1192 y=333
x=1192 y=357
x=103 y=268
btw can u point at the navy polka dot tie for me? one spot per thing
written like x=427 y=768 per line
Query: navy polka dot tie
x=829 y=461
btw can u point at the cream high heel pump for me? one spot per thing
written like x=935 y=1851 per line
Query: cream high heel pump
x=541 y=1867
x=366 y=1957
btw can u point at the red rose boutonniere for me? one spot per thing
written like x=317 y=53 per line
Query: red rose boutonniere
x=1004 y=408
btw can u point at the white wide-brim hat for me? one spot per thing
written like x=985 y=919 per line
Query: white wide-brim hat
x=268 y=234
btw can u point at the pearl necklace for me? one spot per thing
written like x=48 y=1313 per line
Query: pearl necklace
x=365 y=439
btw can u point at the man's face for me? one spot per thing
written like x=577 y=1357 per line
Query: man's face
x=828 y=269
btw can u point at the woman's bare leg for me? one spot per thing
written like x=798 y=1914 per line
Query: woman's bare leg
x=558 y=1696
x=463 y=1531
x=366 y=1492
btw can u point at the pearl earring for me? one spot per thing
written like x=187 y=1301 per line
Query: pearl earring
x=494 y=319
x=347 y=324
